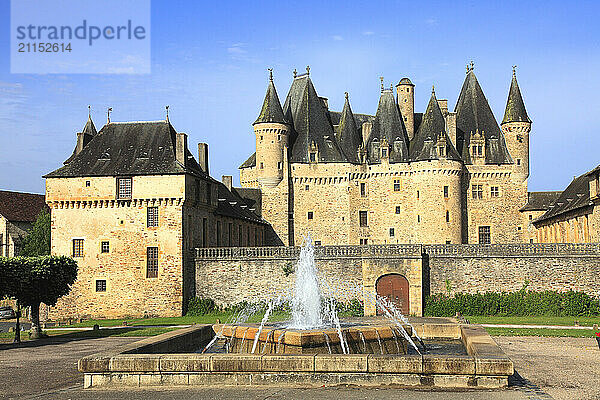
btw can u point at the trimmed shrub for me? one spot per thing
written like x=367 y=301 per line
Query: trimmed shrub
x=201 y=306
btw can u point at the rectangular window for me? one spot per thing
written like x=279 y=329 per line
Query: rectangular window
x=530 y=240
x=87 y=183
x=152 y=262
x=484 y=235
x=363 y=189
x=363 y=218
x=494 y=191
x=104 y=247
x=279 y=165
x=418 y=194
x=101 y=285
x=317 y=242
x=396 y=185
x=310 y=215
x=445 y=192
x=364 y=242
x=306 y=187
x=384 y=153
x=152 y=216
x=518 y=161
x=448 y=242
x=477 y=191
x=530 y=217
x=123 y=188
x=447 y=216
x=397 y=209
x=392 y=232
x=418 y=218
x=313 y=157
x=77 y=247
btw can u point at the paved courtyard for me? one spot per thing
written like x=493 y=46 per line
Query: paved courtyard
x=564 y=368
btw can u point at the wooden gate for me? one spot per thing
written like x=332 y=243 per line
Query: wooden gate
x=394 y=287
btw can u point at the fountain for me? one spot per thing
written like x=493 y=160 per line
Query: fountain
x=315 y=327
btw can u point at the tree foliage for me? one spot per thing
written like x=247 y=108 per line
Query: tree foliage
x=37 y=241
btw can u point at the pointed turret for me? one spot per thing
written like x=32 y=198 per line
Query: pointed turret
x=83 y=137
x=348 y=134
x=271 y=111
x=515 y=108
x=431 y=141
x=388 y=131
x=272 y=133
x=516 y=126
x=474 y=117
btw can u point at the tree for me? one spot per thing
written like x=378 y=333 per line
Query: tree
x=37 y=241
x=36 y=280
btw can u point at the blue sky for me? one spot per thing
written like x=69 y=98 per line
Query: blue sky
x=210 y=60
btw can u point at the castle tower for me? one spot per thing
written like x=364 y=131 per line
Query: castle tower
x=516 y=126
x=272 y=136
x=405 y=91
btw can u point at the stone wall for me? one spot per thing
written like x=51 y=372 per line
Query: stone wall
x=231 y=275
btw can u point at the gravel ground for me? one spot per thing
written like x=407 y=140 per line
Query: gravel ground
x=564 y=368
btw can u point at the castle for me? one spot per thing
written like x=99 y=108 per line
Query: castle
x=396 y=177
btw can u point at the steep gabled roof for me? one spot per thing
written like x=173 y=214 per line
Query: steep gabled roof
x=130 y=148
x=89 y=131
x=271 y=110
x=348 y=133
x=432 y=127
x=515 y=107
x=311 y=124
x=473 y=114
x=540 y=201
x=250 y=162
x=388 y=125
x=575 y=196
x=231 y=204
x=21 y=207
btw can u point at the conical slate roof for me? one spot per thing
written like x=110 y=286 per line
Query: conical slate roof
x=433 y=126
x=89 y=131
x=473 y=114
x=311 y=124
x=515 y=108
x=271 y=110
x=348 y=135
x=388 y=125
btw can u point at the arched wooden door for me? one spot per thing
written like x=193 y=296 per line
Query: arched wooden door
x=394 y=287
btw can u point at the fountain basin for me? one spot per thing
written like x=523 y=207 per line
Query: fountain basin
x=365 y=339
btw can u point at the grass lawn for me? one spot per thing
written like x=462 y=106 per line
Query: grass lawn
x=540 y=332
x=534 y=320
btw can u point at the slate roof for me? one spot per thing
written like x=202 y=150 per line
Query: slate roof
x=130 y=148
x=405 y=81
x=21 y=207
x=250 y=162
x=311 y=123
x=473 y=114
x=388 y=125
x=231 y=204
x=348 y=134
x=433 y=126
x=252 y=197
x=89 y=131
x=575 y=196
x=540 y=201
x=271 y=110
x=515 y=107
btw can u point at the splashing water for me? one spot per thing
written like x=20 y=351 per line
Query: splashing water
x=306 y=304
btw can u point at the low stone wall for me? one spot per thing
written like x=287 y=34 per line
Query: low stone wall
x=231 y=275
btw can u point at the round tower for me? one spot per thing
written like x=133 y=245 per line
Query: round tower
x=516 y=126
x=272 y=138
x=405 y=91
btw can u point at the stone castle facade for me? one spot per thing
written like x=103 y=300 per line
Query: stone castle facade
x=441 y=176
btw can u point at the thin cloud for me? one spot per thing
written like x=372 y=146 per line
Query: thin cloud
x=368 y=33
x=337 y=37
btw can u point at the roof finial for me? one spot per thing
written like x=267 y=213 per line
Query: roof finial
x=381 y=79
x=89 y=111
x=270 y=74
x=346 y=95
x=167 y=108
x=294 y=72
x=514 y=70
x=433 y=90
x=308 y=70
x=467 y=68
x=108 y=114
x=472 y=65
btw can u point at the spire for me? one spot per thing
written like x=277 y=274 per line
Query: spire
x=167 y=109
x=108 y=115
x=515 y=107
x=381 y=79
x=271 y=110
x=473 y=114
x=83 y=138
x=388 y=126
x=348 y=134
x=431 y=135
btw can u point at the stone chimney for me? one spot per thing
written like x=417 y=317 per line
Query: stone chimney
x=451 y=127
x=443 y=103
x=366 y=131
x=203 y=156
x=325 y=102
x=181 y=147
x=227 y=181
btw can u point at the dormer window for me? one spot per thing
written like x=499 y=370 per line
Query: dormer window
x=441 y=151
x=312 y=156
x=384 y=152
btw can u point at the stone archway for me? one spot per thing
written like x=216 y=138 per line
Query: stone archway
x=395 y=288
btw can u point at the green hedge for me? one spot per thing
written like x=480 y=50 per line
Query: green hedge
x=521 y=303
